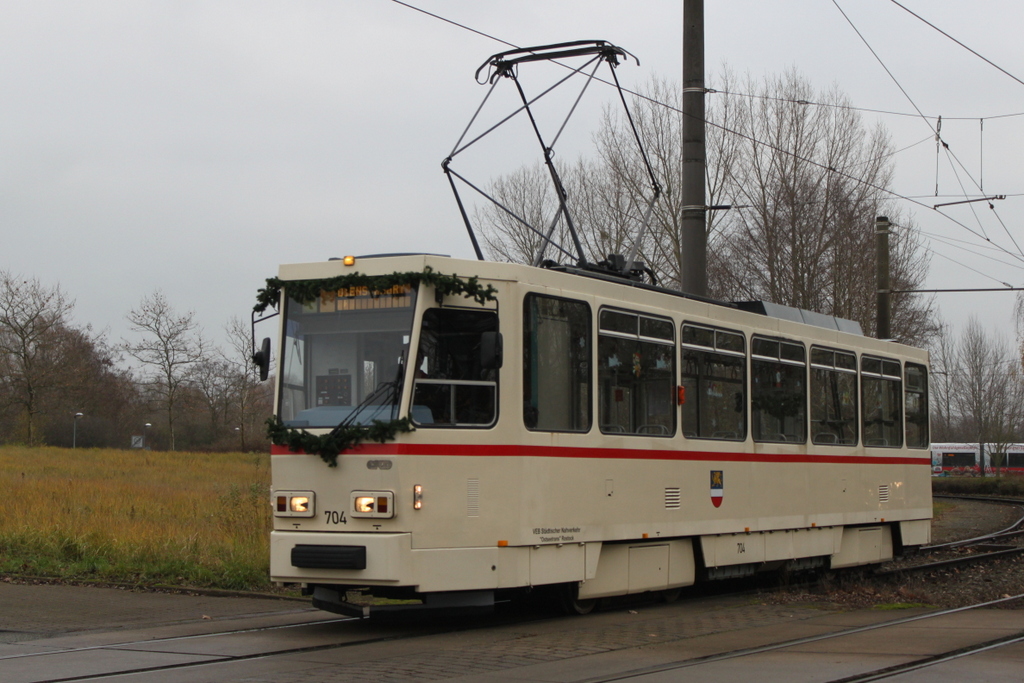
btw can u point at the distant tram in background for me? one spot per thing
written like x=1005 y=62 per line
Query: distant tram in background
x=576 y=431
x=969 y=459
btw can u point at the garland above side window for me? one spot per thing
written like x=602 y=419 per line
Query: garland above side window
x=306 y=291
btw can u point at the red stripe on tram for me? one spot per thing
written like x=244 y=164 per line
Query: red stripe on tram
x=500 y=450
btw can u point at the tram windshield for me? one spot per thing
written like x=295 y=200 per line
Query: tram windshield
x=343 y=356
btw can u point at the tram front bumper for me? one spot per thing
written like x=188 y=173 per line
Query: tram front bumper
x=388 y=559
x=363 y=559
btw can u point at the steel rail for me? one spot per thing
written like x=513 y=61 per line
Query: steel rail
x=986 y=537
x=771 y=647
x=171 y=639
x=264 y=654
x=906 y=667
x=952 y=562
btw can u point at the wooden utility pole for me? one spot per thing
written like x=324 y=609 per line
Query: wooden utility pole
x=693 y=261
x=882 y=277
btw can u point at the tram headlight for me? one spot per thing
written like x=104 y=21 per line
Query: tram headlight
x=377 y=504
x=293 y=503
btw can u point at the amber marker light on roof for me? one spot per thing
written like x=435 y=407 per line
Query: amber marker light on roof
x=349 y=260
x=502 y=544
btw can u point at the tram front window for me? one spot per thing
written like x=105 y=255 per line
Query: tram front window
x=342 y=357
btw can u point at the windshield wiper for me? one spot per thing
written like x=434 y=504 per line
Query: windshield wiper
x=390 y=390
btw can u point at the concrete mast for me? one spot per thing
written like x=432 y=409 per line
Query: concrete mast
x=694 y=239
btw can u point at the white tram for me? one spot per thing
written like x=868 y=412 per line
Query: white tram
x=580 y=431
x=972 y=460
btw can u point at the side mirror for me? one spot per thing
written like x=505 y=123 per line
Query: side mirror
x=262 y=359
x=491 y=350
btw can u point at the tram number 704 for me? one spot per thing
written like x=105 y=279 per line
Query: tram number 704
x=335 y=517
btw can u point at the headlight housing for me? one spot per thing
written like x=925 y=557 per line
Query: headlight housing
x=373 y=504
x=293 y=503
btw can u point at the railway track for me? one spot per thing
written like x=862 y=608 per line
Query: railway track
x=224 y=667
x=317 y=635
x=984 y=548
x=339 y=634
x=880 y=674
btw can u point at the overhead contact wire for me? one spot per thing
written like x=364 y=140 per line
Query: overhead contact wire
x=934 y=129
x=891 y=75
x=972 y=51
x=884 y=190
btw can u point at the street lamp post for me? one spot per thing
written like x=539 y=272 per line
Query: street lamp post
x=145 y=431
x=74 y=431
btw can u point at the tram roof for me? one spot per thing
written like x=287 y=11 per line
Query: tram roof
x=383 y=264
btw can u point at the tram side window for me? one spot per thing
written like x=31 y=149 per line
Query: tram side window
x=833 y=397
x=778 y=400
x=713 y=377
x=881 y=398
x=452 y=386
x=916 y=397
x=966 y=460
x=636 y=371
x=557 y=379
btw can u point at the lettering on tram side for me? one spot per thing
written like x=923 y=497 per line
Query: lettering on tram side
x=556 y=534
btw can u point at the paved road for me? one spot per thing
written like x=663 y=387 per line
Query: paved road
x=51 y=633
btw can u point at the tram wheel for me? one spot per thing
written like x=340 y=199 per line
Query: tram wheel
x=670 y=595
x=570 y=602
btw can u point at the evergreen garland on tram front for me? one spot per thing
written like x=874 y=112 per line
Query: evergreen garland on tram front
x=342 y=438
x=307 y=291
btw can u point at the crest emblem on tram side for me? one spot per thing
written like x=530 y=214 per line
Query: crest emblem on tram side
x=716 y=487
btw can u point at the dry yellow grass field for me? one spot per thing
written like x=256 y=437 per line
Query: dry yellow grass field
x=147 y=517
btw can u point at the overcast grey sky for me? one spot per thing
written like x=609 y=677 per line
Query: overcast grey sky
x=194 y=146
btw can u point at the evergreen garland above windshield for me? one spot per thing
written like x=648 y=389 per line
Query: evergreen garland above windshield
x=306 y=291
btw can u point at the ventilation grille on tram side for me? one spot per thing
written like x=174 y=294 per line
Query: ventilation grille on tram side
x=473 y=497
x=883 y=493
x=672 y=498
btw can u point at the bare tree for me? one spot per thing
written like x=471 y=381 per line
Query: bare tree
x=940 y=387
x=32 y=319
x=94 y=383
x=211 y=381
x=627 y=188
x=170 y=347
x=805 y=182
x=812 y=180
x=250 y=398
x=989 y=391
